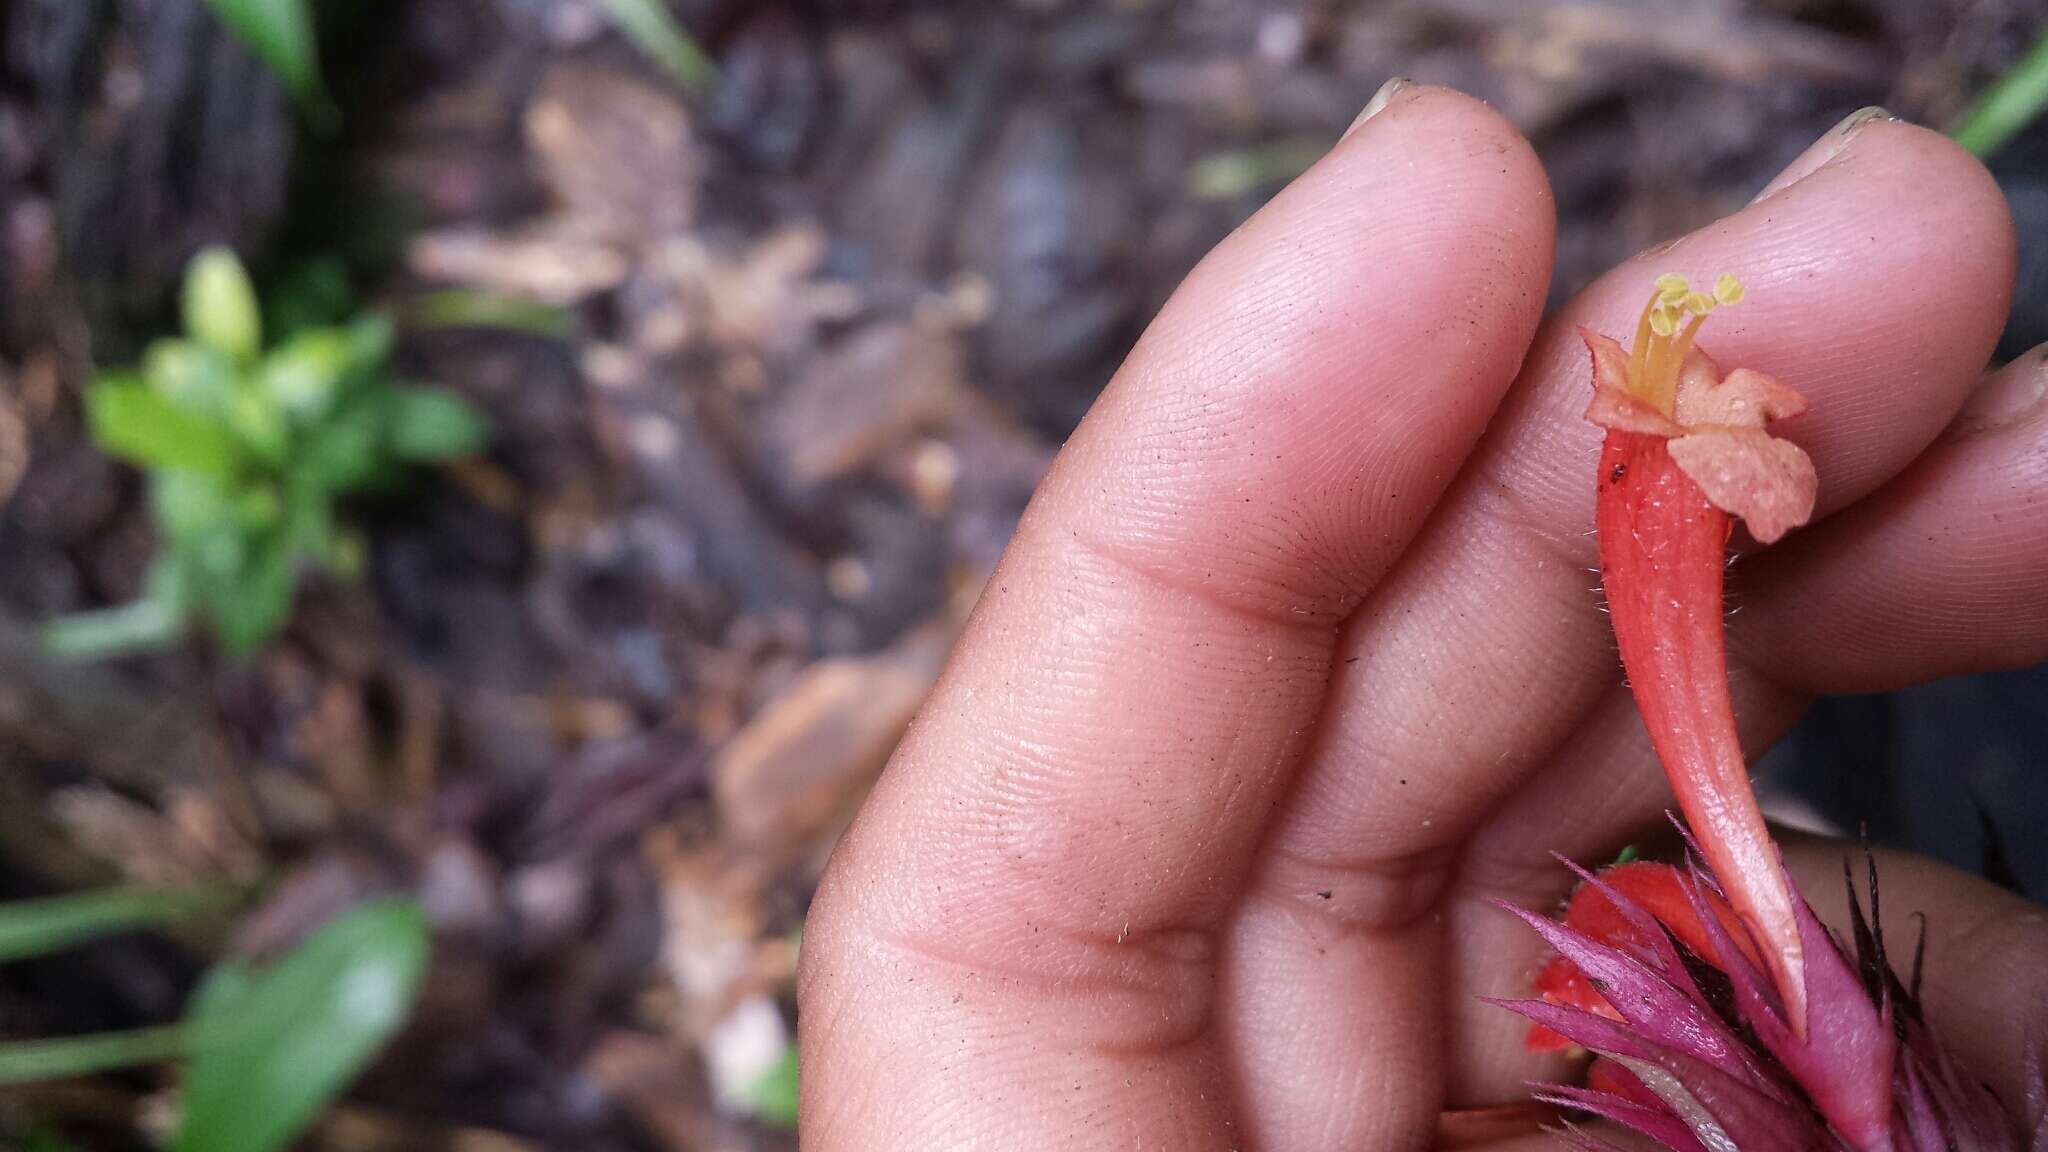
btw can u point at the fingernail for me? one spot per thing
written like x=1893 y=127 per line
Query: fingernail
x=1377 y=104
x=2007 y=396
x=1825 y=149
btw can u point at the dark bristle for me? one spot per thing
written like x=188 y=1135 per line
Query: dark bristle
x=1880 y=979
x=1869 y=945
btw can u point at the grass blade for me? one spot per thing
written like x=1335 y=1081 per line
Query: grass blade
x=28 y=1061
x=2008 y=106
x=470 y=308
x=653 y=29
x=96 y=635
x=280 y=33
x=39 y=927
x=1240 y=172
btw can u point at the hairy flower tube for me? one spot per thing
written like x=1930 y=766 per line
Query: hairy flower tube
x=1725 y=1018
x=1685 y=450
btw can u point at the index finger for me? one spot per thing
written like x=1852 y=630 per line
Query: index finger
x=1034 y=888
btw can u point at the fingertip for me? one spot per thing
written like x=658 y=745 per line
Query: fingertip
x=1436 y=132
x=1303 y=399
x=1878 y=282
x=1937 y=191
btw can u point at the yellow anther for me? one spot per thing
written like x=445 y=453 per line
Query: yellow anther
x=1664 y=335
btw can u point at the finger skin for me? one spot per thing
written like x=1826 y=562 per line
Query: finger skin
x=1945 y=571
x=1015 y=945
x=1470 y=666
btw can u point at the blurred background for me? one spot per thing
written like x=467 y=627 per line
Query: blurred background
x=435 y=663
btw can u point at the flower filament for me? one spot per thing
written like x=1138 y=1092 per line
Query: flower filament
x=1665 y=332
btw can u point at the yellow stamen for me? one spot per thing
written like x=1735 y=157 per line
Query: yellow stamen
x=1664 y=335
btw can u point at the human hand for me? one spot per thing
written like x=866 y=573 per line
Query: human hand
x=1293 y=666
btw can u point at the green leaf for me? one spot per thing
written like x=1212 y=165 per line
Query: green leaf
x=370 y=340
x=430 y=424
x=304 y=374
x=280 y=33
x=107 y=632
x=220 y=306
x=308 y=515
x=38 y=927
x=144 y=427
x=251 y=605
x=155 y=621
x=1242 y=172
x=2007 y=107
x=474 y=308
x=653 y=30
x=346 y=451
x=272 y=1048
x=44 y=1138
x=28 y=1061
x=259 y=425
x=192 y=376
x=187 y=505
x=775 y=1095
x=315 y=293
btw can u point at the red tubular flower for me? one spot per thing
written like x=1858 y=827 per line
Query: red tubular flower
x=1685 y=449
x=1725 y=1018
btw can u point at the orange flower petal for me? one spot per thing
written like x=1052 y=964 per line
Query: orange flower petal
x=1749 y=473
x=1613 y=405
x=1610 y=360
x=1743 y=399
x=1619 y=411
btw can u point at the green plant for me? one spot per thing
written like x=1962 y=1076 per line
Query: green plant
x=36 y=927
x=42 y=1139
x=1231 y=174
x=2008 y=106
x=265 y=1049
x=271 y=1047
x=280 y=33
x=775 y=1095
x=248 y=452
x=653 y=29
